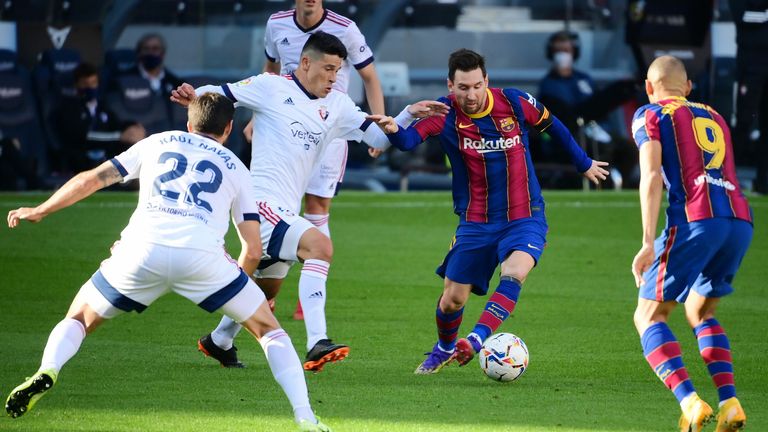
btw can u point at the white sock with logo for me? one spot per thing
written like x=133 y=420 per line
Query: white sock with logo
x=312 y=296
x=224 y=334
x=320 y=222
x=288 y=372
x=63 y=343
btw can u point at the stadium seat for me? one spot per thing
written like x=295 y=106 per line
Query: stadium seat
x=19 y=122
x=116 y=62
x=134 y=100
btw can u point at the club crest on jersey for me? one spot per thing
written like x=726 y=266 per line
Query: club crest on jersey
x=323 y=111
x=507 y=124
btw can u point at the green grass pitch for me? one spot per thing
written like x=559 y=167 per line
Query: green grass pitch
x=587 y=372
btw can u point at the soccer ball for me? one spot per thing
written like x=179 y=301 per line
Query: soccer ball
x=504 y=357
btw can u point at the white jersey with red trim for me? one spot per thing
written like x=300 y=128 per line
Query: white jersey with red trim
x=284 y=40
x=291 y=130
x=189 y=186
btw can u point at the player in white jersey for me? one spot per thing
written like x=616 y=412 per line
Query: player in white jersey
x=295 y=118
x=189 y=185
x=284 y=37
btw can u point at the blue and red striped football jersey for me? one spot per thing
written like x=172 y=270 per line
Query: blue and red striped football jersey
x=697 y=160
x=493 y=176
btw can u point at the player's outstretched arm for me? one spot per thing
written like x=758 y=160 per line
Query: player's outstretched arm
x=77 y=188
x=428 y=108
x=651 y=190
x=183 y=94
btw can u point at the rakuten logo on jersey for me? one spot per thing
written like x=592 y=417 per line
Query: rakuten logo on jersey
x=308 y=139
x=484 y=146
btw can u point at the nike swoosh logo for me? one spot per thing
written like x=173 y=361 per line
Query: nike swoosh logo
x=533 y=247
x=464 y=126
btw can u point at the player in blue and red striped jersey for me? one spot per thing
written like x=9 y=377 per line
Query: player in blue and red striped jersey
x=687 y=145
x=496 y=195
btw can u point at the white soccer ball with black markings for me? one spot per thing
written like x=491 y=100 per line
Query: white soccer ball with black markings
x=504 y=357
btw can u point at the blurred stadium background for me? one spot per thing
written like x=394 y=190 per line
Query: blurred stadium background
x=211 y=41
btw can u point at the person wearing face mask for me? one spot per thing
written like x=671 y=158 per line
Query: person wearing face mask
x=150 y=57
x=90 y=133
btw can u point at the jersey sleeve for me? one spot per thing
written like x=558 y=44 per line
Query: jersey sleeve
x=645 y=126
x=245 y=206
x=351 y=123
x=537 y=116
x=128 y=163
x=248 y=93
x=270 y=46
x=358 y=52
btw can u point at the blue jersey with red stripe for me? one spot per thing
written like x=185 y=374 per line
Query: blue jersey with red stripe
x=696 y=157
x=493 y=175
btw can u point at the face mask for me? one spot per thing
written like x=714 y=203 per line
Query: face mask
x=150 y=61
x=88 y=93
x=562 y=60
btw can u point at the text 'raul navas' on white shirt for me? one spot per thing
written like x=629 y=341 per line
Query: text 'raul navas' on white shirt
x=189 y=184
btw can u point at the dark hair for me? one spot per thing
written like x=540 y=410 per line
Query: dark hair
x=210 y=113
x=146 y=38
x=465 y=60
x=84 y=70
x=563 y=36
x=325 y=43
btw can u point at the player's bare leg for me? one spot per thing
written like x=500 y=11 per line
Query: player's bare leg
x=219 y=344
x=662 y=351
x=715 y=350
x=316 y=251
x=448 y=316
x=501 y=304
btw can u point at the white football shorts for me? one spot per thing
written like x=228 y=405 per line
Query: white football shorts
x=325 y=178
x=138 y=273
x=281 y=230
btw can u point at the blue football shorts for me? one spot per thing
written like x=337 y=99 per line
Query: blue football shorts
x=702 y=255
x=478 y=248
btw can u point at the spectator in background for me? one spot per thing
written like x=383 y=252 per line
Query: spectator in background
x=150 y=57
x=89 y=133
x=751 y=111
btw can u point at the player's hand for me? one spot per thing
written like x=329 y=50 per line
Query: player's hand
x=596 y=172
x=374 y=152
x=642 y=262
x=385 y=123
x=24 y=213
x=183 y=95
x=427 y=108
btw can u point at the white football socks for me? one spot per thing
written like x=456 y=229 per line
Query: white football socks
x=312 y=296
x=224 y=334
x=288 y=372
x=320 y=222
x=63 y=343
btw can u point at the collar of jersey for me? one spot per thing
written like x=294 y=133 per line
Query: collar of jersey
x=296 y=80
x=307 y=30
x=486 y=110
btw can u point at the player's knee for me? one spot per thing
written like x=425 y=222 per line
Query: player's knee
x=321 y=249
x=451 y=303
x=697 y=316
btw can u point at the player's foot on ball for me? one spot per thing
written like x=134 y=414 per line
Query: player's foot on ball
x=696 y=414
x=324 y=351
x=25 y=396
x=307 y=426
x=227 y=358
x=298 y=314
x=731 y=417
x=435 y=361
x=465 y=351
